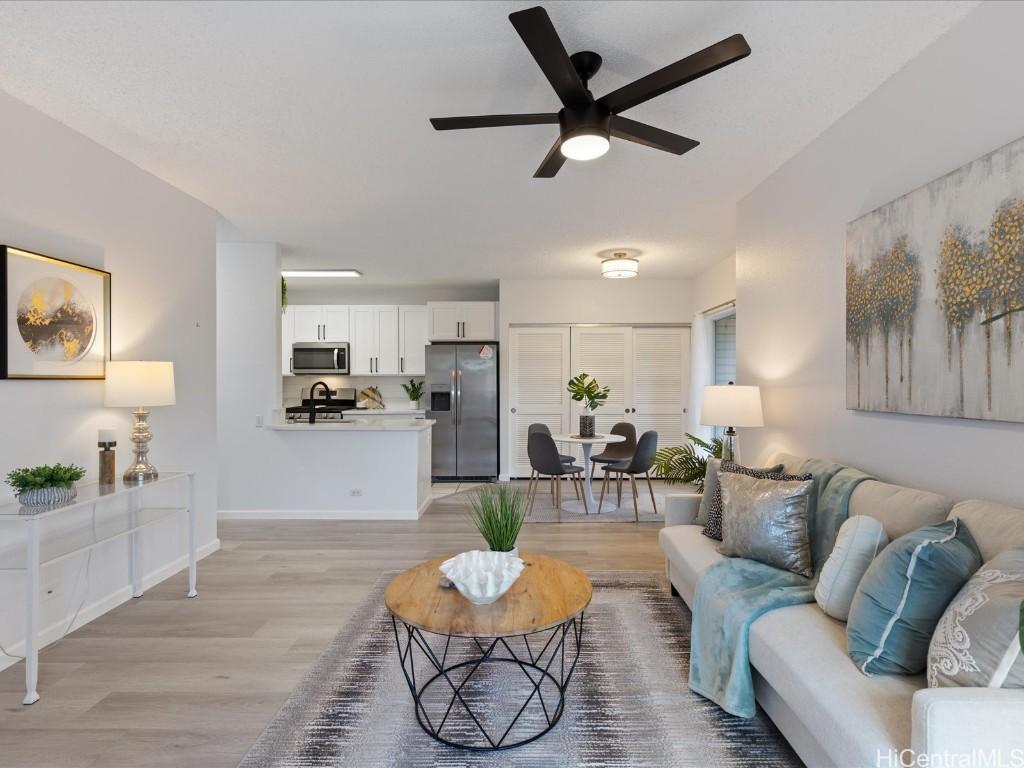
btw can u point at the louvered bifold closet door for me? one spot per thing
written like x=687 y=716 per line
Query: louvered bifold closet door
x=538 y=371
x=661 y=376
x=606 y=354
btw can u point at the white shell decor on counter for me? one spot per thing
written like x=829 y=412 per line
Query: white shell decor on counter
x=482 y=577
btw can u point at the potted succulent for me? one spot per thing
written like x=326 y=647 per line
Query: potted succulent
x=498 y=511
x=585 y=389
x=45 y=485
x=687 y=463
x=414 y=390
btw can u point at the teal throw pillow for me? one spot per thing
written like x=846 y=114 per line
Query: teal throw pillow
x=903 y=595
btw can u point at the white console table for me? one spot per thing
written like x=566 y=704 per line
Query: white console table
x=43 y=548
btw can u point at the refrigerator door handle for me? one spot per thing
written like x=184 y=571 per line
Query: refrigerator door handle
x=458 y=397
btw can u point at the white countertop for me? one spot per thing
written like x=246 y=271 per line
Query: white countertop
x=357 y=424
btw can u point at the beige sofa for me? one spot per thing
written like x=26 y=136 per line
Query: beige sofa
x=831 y=714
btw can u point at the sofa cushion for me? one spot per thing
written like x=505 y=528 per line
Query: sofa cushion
x=690 y=553
x=859 y=540
x=995 y=527
x=713 y=526
x=977 y=641
x=766 y=520
x=711 y=486
x=801 y=653
x=901 y=510
x=903 y=595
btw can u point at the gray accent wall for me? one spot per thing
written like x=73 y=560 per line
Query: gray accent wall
x=953 y=103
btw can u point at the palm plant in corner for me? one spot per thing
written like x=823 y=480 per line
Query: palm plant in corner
x=687 y=463
x=498 y=511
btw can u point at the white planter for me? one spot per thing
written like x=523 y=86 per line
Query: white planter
x=482 y=577
x=414 y=405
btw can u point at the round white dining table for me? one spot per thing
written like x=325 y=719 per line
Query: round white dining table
x=587 y=444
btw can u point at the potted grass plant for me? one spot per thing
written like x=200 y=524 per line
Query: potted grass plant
x=498 y=511
x=46 y=485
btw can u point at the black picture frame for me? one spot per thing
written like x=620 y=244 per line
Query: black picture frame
x=6 y=253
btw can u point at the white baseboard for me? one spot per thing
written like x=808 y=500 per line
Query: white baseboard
x=56 y=630
x=321 y=514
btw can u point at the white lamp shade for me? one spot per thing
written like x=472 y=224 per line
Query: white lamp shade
x=139 y=384
x=732 y=406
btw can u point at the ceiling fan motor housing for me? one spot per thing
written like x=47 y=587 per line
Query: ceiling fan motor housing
x=594 y=119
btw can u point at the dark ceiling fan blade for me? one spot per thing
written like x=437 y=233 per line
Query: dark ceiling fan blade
x=537 y=31
x=493 y=121
x=552 y=163
x=686 y=70
x=649 y=136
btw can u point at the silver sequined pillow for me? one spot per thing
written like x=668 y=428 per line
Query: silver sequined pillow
x=766 y=520
x=977 y=641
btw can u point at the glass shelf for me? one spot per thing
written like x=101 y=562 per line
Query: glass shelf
x=88 y=494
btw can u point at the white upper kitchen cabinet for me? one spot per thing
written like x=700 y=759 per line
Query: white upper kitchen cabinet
x=287 y=336
x=412 y=339
x=315 y=322
x=307 y=322
x=374 y=340
x=462 y=320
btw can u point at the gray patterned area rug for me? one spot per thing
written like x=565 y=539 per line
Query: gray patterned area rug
x=628 y=705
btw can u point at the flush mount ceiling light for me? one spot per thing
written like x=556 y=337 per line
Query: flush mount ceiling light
x=620 y=266
x=321 y=273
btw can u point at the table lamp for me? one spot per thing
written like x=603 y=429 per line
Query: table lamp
x=139 y=384
x=731 y=406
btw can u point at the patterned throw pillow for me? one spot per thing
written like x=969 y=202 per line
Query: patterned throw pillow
x=713 y=527
x=976 y=643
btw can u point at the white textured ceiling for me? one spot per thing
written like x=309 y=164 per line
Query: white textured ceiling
x=306 y=123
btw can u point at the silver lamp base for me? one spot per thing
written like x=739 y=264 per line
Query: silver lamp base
x=140 y=471
x=730 y=446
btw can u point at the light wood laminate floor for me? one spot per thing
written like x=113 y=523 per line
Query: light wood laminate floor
x=165 y=681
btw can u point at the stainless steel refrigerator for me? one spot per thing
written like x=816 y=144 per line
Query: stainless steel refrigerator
x=462 y=387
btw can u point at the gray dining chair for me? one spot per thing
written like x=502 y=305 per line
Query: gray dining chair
x=544 y=461
x=639 y=464
x=545 y=429
x=614 y=453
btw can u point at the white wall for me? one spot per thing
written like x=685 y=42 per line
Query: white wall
x=715 y=285
x=600 y=300
x=947 y=107
x=248 y=363
x=66 y=196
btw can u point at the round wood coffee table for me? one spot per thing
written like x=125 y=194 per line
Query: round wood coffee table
x=489 y=677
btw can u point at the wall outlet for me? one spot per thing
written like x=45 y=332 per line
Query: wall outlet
x=259 y=420
x=356 y=492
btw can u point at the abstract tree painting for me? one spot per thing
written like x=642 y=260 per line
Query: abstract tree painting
x=933 y=280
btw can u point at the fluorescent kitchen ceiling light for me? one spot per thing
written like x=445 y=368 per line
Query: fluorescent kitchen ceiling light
x=321 y=273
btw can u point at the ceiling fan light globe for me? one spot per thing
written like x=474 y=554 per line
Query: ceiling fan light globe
x=585 y=146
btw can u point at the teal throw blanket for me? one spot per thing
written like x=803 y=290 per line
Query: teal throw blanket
x=735 y=592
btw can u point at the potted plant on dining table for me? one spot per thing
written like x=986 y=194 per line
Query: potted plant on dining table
x=585 y=389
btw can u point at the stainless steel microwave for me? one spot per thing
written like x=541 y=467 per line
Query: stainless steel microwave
x=320 y=357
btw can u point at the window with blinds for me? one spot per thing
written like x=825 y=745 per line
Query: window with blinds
x=725 y=354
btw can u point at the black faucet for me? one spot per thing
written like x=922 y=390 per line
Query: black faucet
x=312 y=399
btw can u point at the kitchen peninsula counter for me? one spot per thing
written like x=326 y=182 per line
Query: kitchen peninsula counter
x=361 y=468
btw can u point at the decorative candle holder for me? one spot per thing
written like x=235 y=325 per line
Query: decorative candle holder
x=107 y=462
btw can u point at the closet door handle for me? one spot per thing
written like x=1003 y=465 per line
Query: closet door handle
x=401 y=364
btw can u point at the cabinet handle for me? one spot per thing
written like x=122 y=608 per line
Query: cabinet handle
x=401 y=364
x=371 y=365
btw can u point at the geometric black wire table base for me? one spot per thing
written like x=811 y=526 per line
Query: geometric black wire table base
x=489 y=693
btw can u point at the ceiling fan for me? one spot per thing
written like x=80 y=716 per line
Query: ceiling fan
x=586 y=123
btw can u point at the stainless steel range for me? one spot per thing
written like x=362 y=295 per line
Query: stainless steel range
x=331 y=407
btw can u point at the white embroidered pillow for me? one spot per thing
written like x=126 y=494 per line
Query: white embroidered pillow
x=977 y=641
